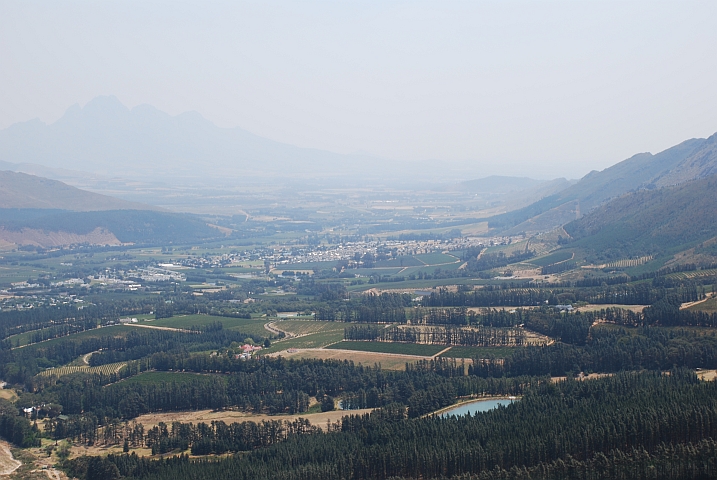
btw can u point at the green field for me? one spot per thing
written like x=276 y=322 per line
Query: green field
x=390 y=347
x=254 y=326
x=478 y=352
x=559 y=256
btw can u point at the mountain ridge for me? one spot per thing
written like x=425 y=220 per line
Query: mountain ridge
x=21 y=190
x=689 y=160
x=106 y=137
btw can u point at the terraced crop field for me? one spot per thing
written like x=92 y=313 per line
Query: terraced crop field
x=69 y=369
x=693 y=274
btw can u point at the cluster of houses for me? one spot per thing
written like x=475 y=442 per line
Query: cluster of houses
x=247 y=351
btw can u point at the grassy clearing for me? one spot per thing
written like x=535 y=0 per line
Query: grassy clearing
x=253 y=326
x=478 y=352
x=230 y=416
x=390 y=347
x=8 y=394
x=709 y=306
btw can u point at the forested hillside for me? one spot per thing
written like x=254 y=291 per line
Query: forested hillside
x=650 y=222
x=690 y=160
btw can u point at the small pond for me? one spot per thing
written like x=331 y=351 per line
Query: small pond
x=477 y=406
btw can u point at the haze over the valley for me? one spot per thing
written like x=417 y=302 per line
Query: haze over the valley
x=469 y=89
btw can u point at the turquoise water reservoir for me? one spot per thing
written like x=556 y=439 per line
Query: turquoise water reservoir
x=476 y=406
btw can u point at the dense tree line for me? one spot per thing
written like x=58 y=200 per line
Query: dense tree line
x=637 y=294
x=384 y=308
x=609 y=350
x=618 y=425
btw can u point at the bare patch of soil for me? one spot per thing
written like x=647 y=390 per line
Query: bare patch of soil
x=207 y=416
x=8 y=464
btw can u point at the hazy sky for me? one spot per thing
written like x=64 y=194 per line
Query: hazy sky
x=519 y=87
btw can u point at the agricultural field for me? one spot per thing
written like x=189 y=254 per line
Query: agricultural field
x=253 y=326
x=313 y=340
x=307 y=327
x=69 y=369
x=390 y=347
x=400 y=261
x=559 y=256
x=387 y=361
x=693 y=274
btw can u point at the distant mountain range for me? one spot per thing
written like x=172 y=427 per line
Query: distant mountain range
x=690 y=160
x=105 y=137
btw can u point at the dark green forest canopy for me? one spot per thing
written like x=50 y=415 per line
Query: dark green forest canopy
x=607 y=422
